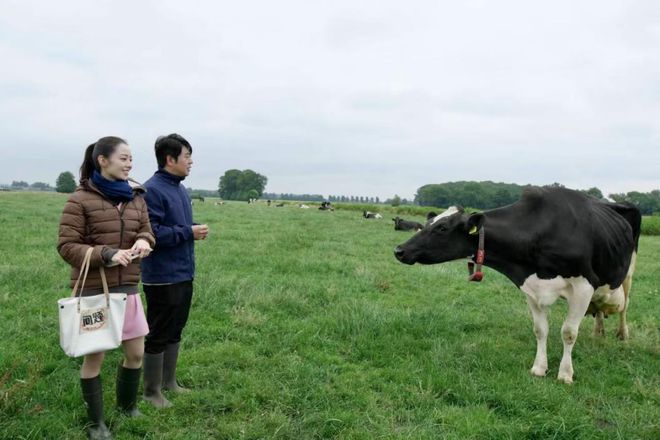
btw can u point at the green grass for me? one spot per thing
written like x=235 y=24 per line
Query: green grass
x=651 y=225
x=305 y=327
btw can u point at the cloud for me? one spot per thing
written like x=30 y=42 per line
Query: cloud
x=370 y=98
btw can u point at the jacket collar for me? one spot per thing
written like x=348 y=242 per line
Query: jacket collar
x=175 y=180
x=88 y=185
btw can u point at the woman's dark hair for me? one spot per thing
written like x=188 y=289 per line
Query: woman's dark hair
x=170 y=145
x=103 y=147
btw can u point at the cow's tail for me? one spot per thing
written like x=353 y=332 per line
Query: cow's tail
x=633 y=216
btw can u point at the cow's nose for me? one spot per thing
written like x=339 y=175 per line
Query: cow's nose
x=398 y=252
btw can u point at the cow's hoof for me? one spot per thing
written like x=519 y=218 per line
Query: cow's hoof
x=566 y=378
x=622 y=334
x=599 y=331
x=538 y=371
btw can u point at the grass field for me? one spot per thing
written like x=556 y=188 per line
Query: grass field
x=304 y=326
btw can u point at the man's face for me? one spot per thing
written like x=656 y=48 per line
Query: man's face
x=180 y=167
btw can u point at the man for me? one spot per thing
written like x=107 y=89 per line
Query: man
x=168 y=272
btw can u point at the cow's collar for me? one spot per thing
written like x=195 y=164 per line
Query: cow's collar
x=478 y=275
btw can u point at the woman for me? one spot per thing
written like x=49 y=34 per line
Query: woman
x=110 y=215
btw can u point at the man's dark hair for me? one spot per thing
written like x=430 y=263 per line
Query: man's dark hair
x=170 y=145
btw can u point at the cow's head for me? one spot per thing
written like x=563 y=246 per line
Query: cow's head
x=448 y=236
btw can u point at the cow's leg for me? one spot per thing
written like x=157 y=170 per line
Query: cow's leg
x=540 y=317
x=599 y=328
x=578 y=302
x=622 y=332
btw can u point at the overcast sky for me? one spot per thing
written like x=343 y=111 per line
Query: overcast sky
x=365 y=98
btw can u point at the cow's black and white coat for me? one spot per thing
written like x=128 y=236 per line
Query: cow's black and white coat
x=553 y=242
x=406 y=225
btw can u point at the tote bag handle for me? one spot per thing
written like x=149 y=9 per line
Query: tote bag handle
x=85 y=268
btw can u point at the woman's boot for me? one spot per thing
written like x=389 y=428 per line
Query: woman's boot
x=128 y=380
x=92 y=392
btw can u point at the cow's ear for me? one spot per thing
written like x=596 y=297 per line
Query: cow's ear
x=474 y=222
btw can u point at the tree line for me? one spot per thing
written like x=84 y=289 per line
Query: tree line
x=489 y=195
x=248 y=184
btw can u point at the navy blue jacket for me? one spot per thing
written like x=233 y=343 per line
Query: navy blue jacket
x=173 y=258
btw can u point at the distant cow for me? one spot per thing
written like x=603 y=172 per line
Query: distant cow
x=303 y=206
x=430 y=216
x=553 y=242
x=406 y=225
x=221 y=202
x=279 y=205
x=369 y=214
x=326 y=206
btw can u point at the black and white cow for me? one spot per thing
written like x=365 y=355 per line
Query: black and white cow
x=406 y=225
x=553 y=242
x=369 y=214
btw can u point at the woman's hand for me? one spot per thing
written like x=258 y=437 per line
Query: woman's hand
x=141 y=248
x=123 y=257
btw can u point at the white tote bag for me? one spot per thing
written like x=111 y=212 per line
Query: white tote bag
x=91 y=324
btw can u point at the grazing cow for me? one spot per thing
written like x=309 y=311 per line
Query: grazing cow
x=406 y=225
x=221 y=202
x=553 y=242
x=430 y=216
x=369 y=214
x=303 y=206
x=326 y=206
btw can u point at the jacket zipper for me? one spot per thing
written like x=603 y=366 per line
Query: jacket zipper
x=121 y=236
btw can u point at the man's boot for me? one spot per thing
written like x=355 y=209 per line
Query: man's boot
x=153 y=380
x=128 y=380
x=92 y=392
x=170 y=357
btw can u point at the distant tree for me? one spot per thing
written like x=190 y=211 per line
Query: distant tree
x=253 y=194
x=377 y=200
x=646 y=202
x=237 y=184
x=618 y=197
x=19 y=184
x=41 y=186
x=502 y=197
x=396 y=200
x=593 y=192
x=65 y=183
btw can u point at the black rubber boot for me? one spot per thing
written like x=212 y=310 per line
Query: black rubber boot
x=153 y=380
x=128 y=380
x=170 y=357
x=92 y=392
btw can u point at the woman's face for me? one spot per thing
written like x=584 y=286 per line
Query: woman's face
x=118 y=165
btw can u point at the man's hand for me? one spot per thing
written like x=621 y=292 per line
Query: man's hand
x=200 y=231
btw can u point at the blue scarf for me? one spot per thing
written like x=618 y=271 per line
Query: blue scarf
x=118 y=191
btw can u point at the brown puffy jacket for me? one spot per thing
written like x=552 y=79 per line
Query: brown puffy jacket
x=90 y=219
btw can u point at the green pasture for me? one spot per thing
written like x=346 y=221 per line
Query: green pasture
x=304 y=326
